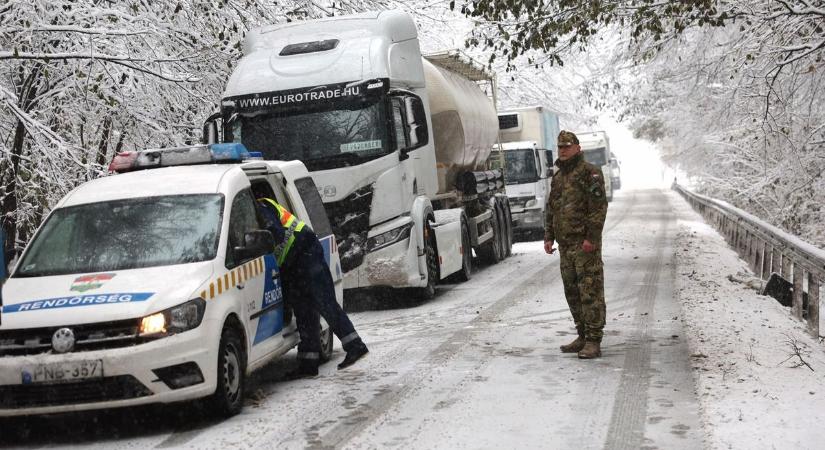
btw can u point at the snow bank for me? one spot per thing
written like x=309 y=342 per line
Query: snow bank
x=760 y=375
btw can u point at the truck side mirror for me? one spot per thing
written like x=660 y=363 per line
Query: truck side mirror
x=256 y=243
x=417 y=120
x=210 y=129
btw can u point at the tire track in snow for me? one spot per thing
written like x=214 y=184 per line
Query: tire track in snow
x=627 y=424
x=372 y=410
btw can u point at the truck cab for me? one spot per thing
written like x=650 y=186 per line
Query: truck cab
x=528 y=170
x=155 y=285
x=528 y=137
x=595 y=146
x=615 y=172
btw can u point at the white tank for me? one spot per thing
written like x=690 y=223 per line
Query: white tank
x=465 y=124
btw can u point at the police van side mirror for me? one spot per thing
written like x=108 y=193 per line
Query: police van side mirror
x=256 y=243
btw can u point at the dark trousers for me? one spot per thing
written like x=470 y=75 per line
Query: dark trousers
x=309 y=289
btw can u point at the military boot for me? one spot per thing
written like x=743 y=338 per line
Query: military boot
x=591 y=350
x=574 y=346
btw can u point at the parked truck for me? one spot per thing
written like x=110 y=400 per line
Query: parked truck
x=528 y=137
x=397 y=143
x=596 y=148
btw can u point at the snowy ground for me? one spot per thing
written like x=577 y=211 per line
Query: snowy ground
x=755 y=392
x=690 y=359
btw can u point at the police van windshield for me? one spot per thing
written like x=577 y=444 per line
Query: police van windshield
x=126 y=234
x=596 y=156
x=325 y=126
x=520 y=166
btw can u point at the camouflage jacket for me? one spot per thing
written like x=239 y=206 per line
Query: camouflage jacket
x=577 y=205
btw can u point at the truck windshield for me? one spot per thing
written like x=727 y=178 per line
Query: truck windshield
x=596 y=156
x=126 y=234
x=520 y=166
x=323 y=133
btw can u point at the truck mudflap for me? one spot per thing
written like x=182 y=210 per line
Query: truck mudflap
x=447 y=228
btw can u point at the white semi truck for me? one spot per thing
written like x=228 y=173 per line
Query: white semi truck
x=596 y=148
x=528 y=137
x=397 y=143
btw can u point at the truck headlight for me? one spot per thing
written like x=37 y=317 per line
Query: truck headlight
x=534 y=202
x=388 y=238
x=176 y=319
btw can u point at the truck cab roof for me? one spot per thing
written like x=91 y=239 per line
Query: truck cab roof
x=519 y=145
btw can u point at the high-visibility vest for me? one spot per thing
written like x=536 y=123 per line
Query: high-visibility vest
x=291 y=226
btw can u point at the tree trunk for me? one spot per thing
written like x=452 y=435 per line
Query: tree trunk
x=8 y=208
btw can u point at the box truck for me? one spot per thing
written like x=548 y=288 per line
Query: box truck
x=528 y=137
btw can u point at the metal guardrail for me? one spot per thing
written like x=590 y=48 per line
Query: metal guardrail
x=768 y=250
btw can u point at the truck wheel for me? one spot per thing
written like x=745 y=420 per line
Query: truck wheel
x=228 y=397
x=508 y=222
x=431 y=251
x=466 y=271
x=502 y=228
x=326 y=344
x=490 y=251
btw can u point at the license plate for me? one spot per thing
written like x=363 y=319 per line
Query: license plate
x=68 y=371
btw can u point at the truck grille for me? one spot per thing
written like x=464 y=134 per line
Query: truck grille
x=350 y=219
x=94 y=336
x=121 y=387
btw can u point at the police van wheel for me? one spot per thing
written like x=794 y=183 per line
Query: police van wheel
x=228 y=397
x=326 y=344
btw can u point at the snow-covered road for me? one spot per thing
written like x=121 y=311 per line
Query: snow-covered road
x=479 y=366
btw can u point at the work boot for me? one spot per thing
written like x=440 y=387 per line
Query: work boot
x=305 y=369
x=353 y=355
x=574 y=346
x=591 y=350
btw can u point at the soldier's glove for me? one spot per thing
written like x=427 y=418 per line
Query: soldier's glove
x=548 y=247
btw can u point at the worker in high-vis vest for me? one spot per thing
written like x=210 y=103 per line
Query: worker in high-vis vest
x=309 y=289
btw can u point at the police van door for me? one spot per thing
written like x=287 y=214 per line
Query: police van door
x=258 y=282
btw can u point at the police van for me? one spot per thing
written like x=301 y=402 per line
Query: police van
x=155 y=286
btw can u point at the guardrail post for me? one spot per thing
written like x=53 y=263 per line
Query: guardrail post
x=796 y=309
x=766 y=261
x=776 y=261
x=813 y=304
x=786 y=267
x=755 y=254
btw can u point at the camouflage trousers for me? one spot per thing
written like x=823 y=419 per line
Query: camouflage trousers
x=583 y=277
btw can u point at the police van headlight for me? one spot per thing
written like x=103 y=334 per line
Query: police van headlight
x=176 y=319
x=388 y=238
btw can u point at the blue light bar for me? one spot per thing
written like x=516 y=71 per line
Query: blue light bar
x=182 y=156
x=228 y=152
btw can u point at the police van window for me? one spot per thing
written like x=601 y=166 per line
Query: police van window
x=398 y=123
x=242 y=218
x=315 y=207
x=262 y=189
x=156 y=231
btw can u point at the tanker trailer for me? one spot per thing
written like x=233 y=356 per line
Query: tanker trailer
x=397 y=156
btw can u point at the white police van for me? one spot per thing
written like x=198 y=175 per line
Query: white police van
x=155 y=286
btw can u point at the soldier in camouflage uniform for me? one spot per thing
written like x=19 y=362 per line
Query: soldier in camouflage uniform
x=575 y=214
